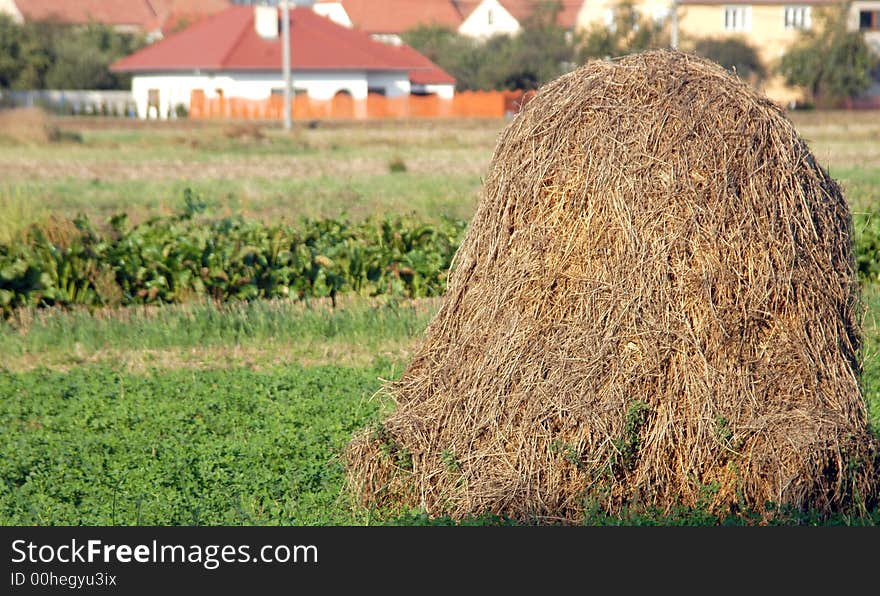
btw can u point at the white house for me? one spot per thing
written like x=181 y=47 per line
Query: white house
x=488 y=18
x=237 y=54
x=485 y=18
x=387 y=20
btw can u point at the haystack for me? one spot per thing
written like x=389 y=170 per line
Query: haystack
x=655 y=306
x=27 y=126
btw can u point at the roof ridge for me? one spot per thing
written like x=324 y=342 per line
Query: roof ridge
x=152 y=8
x=248 y=23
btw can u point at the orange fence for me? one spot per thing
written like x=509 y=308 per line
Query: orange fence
x=474 y=104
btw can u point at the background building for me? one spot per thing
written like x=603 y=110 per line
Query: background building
x=152 y=17
x=237 y=54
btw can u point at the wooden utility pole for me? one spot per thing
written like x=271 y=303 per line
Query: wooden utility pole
x=285 y=63
x=674 y=40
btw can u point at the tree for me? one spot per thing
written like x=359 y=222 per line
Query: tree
x=733 y=54
x=541 y=51
x=24 y=56
x=10 y=50
x=454 y=53
x=830 y=62
x=629 y=32
x=47 y=54
x=82 y=58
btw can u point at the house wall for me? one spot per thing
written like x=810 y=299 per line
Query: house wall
x=176 y=89
x=390 y=38
x=173 y=89
x=394 y=83
x=9 y=7
x=333 y=11
x=601 y=12
x=478 y=22
x=441 y=91
x=765 y=32
x=318 y=85
x=871 y=37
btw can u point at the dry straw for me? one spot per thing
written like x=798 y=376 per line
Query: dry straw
x=27 y=126
x=655 y=306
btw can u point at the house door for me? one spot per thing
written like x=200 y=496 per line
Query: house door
x=343 y=105
x=153 y=103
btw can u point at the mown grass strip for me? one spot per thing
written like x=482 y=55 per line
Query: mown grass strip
x=209 y=335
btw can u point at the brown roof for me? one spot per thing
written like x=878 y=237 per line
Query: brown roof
x=147 y=15
x=397 y=16
x=137 y=13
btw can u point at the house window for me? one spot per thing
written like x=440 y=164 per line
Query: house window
x=296 y=91
x=869 y=20
x=737 y=18
x=490 y=17
x=797 y=17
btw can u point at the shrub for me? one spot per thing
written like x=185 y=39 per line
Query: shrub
x=733 y=54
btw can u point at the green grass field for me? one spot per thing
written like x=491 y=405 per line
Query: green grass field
x=235 y=414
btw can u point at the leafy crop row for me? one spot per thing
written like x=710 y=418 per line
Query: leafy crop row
x=867 y=246
x=179 y=258
x=176 y=259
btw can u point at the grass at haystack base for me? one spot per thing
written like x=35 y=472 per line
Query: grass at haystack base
x=97 y=446
x=119 y=418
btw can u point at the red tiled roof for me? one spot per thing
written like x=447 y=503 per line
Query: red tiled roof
x=228 y=41
x=137 y=13
x=147 y=15
x=397 y=16
x=522 y=9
